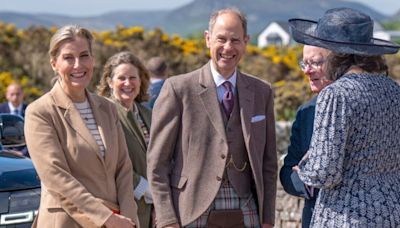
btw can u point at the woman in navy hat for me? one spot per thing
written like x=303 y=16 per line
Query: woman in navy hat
x=354 y=157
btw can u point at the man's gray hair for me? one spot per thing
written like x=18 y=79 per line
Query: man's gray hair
x=234 y=10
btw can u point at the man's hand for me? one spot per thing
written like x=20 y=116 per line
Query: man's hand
x=119 y=221
x=16 y=153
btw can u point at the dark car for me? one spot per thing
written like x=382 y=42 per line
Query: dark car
x=19 y=183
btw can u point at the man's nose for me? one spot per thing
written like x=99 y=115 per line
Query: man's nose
x=308 y=69
x=228 y=45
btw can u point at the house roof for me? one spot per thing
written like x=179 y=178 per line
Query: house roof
x=283 y=24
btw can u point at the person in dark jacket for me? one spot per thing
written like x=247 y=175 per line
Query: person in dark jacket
x=313 y=66
x=158 y=73
x=15 y=98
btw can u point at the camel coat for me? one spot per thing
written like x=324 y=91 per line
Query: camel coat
x=79 y=186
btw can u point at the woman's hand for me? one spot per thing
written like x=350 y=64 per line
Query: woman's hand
x=119 y=221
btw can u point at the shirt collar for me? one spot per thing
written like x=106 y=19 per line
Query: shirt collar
x=11 y=107
x=219 y=79
x=135 y=109
x=154 y=80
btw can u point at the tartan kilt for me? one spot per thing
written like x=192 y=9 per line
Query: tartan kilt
x=228 y=199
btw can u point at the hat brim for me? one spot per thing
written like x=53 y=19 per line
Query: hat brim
x=303 y=31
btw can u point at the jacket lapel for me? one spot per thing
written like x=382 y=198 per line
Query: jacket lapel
x=145 y=114
x=208 y=96
x=104 y=127
x=246 y=103
x=73 y=117
x=127 y=119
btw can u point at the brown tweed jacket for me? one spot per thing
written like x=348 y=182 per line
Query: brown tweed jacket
x=185 y=162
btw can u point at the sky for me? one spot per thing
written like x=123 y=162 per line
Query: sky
x=96 y=7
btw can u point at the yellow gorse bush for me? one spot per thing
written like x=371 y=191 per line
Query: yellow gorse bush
x=7 y=78
x=25 y=60
x=127 y=32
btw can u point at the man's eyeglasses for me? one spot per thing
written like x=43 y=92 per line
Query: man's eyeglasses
x=312 y=65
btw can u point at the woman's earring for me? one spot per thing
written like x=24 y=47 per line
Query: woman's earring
x=111 y=89
x=109 y=86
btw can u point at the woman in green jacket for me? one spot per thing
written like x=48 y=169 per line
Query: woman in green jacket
x=125 y=80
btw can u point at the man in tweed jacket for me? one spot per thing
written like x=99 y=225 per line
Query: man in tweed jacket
x=198 y=153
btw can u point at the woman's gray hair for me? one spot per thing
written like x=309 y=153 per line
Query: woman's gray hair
x=233 y=10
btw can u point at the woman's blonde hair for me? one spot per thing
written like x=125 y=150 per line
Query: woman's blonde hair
x=68 y=33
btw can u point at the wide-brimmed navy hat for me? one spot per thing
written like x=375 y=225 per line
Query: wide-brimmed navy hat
x=342 y=30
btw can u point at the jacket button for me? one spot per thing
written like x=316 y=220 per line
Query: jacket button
x=219 y=178
x=223 y=156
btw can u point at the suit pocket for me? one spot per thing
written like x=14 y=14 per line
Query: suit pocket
x=258 y=131
x=178 y=181
x=178 y=184
x=48 y=201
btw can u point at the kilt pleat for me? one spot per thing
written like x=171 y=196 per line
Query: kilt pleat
x=228 y=199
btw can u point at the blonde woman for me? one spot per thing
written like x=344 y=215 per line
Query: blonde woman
x=77 y=144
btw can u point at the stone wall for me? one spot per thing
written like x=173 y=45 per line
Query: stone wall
x=288 y=208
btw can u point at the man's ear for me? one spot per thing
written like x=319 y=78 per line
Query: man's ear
x=207 y=37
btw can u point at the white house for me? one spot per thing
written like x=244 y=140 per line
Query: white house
x=276 y=33
x=394 y=35
x=380 y=33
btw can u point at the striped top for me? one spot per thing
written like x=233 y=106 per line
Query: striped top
x=87 y=115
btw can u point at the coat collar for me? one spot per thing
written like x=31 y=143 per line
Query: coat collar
x=208 y=95
x=246 y=102
x=127 y=118
x=145 y=114
x=74 y=119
